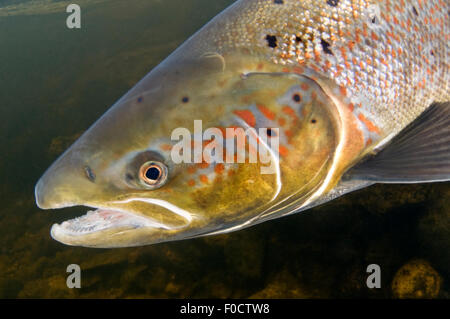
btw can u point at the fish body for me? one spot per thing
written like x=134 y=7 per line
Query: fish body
x=342 y=86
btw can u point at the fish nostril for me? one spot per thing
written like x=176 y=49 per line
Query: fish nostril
x=89 y=173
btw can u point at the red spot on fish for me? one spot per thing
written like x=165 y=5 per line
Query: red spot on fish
x=203 y=179
x=298 y=70
x=166 y=147
x=370 y=126
x=219 y=168
x=247 y=116
x=191 y=182
x=203 y=165
x=191 y=169
x=266 y=112
x=283 y=151
x=289 y=111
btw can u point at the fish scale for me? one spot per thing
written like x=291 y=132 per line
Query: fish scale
x=392 y=57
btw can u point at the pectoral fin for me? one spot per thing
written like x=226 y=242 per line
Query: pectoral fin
x=418 y=154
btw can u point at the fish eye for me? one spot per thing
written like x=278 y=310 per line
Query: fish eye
x=153 y=174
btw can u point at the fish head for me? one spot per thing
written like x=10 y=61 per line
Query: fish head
x=146 y=186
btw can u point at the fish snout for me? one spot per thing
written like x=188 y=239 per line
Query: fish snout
x=66 y=183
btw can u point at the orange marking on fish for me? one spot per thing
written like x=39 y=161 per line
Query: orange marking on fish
x=343 y=90
x=247 y=116
x=219 y=168
x=317 y=56
x=374 y=36
x=365 y=32
x=298 y=70
x=370 y=126
x=203 y=165
x=191 y=182
x=304 y=86
x=315 y=68
x=343 y=52
x=351 y=45
x=339 y=70
x=230 y=172
x=191 y=169
x=166 y=147
x=351 y=106
x=283 y=151
x=327 y=66
x=357 y=37
x=266 y=112
x=289 y=111
x=204 y=179
x=395 y=20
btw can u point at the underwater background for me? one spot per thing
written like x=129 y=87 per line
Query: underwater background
x=55 y=82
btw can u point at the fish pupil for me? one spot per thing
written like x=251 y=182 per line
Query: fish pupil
x=152 y=173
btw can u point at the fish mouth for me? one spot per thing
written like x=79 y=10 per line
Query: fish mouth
x=100 y=220
x=105 y=227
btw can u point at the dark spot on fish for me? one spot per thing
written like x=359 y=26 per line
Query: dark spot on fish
x=333 y=3
x=298 y=39
x=89 y=173
x=140 y=99
x=415 y=11
x=432 y=52
x=296 y=97
x=313 y=121
x=374 y=19
x=278 y=1
x=185 y=99
x=326 y=47
x=271 y=132
x=271 y=41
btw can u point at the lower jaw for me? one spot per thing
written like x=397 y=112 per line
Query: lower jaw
x=103 y=219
